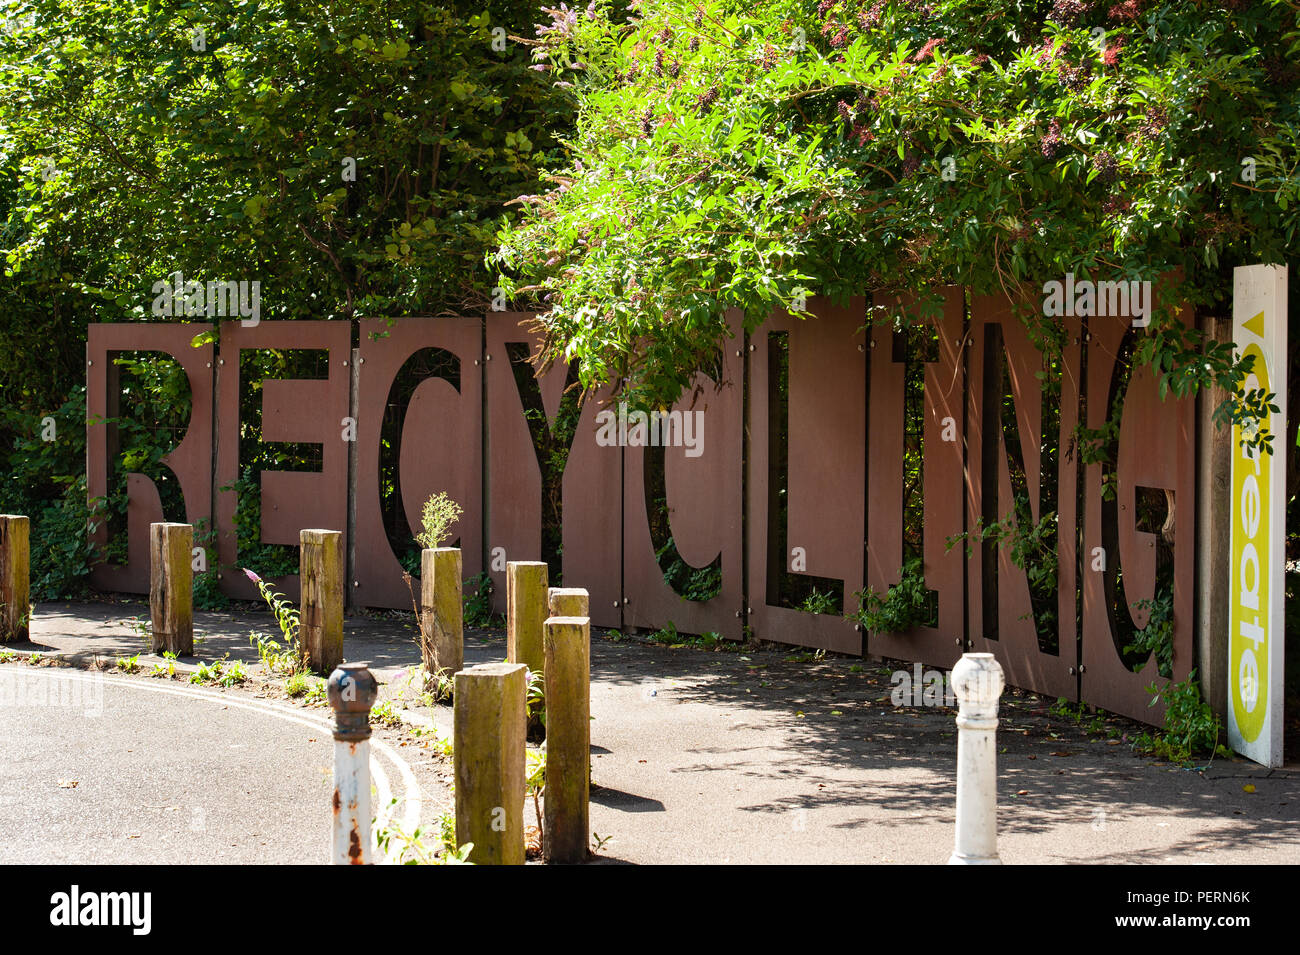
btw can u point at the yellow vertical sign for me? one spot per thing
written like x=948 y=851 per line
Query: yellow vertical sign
x=1256 y=640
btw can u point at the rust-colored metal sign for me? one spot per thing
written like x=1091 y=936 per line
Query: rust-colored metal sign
x=190 y=461
x=419 y=433
x=293 y=410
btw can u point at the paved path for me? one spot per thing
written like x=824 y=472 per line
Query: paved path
x=762 y=756
x=112 y=769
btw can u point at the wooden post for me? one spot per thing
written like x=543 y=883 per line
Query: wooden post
x=320 y=569
x=569 y=602
x=488 y=744
x=442 y=609
x=1214 y=451
x=526 y=595
x=568 y=739
x=15 y=579
x=171 y=588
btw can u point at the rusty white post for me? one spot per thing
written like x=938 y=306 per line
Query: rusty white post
x=352 y=691
x=977 y=681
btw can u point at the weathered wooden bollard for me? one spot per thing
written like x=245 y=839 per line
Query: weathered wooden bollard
x=567 y=791
x=352 y=690
x=15 y=578
x=443 y=647
x=489 y=757
x=526 y=595
x=171 y=588
x=977 y=681
x=320 y=575
x=568 y=602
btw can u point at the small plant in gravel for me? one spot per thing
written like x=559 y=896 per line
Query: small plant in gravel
x=1191 y=727
x=431 y=689
x=316 y=695
x=7 y=656
x=207 y=672
x=534 y=784
x=385 y=714
x=140 y=627
x=235 y=673
x=291 y=656
x=167 y=668
x=129 y=664
x=298 y=684
x=411 y=849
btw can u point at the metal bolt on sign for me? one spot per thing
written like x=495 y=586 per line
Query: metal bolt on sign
x=977 y=682
x=352 y=691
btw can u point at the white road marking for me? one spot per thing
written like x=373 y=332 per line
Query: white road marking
x=412 y=799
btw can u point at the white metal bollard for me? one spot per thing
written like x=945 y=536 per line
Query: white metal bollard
x=352 y=691
x=977 y=681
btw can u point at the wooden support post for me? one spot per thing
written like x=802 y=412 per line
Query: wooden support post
x=320 y=568
x=443 y=646
x=1213 y=535
x=171 y=588
x=568 y=739
x=489 y=757
x=526 y=595
x=569 y=602
x=15 y=582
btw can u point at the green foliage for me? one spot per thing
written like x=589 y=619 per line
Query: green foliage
x=535 y=702
x=126 y=155
x=129 y=664
x=731 y=155
x=297 y=684
x=437 y=516
x=46 y=481
x=409 y=848
x=274 y=560
x=818 y=602
x=691 y=583
x=385 y=714
x=903 y=606
x=291 y=656
x=167 y=668
x=316 y=694
x=1032 y=547
x=535 y=785
x=669 y=636
x=224 y=673
x=233 y=161
x=1191 y=727
x=477 y=600
x=1158 y=635
x=207 y=593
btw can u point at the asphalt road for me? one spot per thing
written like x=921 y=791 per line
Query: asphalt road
x=101 y=768
x=759 y=756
